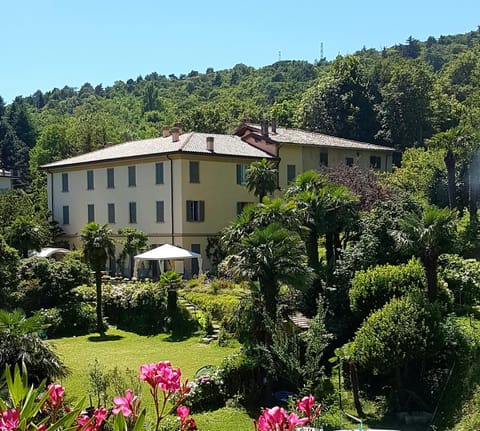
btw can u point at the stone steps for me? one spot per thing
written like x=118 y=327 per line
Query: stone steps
x=192 y=309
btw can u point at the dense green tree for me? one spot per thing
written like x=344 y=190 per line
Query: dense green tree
x=340 y=103
x=98 y=247
x=9 y=261
x=135 y=242
x=25 y=235
x=261 y=178
x=406 y=107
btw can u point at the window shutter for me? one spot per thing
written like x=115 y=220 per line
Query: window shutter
x=201 y=210
x=239 y=174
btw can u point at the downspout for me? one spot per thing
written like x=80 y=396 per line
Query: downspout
x=171 y=197
x=51 y=192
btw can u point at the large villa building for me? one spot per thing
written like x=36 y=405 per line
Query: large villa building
x=182 y=188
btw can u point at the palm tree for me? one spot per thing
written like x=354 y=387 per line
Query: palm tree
x=327 y=209
x=98 y=246
x=21 y=344
x=427 y=236
x=261 y=178
x=271 y=256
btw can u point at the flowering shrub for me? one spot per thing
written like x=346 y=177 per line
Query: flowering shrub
x=277 y=419
x=34 y=409
x=141 y=307
x=206 y=392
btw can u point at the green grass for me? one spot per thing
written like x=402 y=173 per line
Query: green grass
x=127 y=350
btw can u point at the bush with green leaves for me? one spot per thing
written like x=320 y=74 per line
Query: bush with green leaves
x=373 y=288
x=219 y=306
x=21 y=344
x=139 y=307
x=9 y=261
x=462 y=277
x=206 y=392
x=393 y=335
x=46 y=283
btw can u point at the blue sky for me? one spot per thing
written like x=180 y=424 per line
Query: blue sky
x=53 y=43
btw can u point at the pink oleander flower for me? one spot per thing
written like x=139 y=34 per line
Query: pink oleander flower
x=82 y=421
x=186 y=424
x=183 y=412
x=161 y=375
x=277 y=419
x=93 y=423
x=307 y=406
x=42 y=427
x=56 y=393
x=125 y=404
x=9 y=420
x=100 y=416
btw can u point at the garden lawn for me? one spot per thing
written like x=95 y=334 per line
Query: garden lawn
x=127 y=350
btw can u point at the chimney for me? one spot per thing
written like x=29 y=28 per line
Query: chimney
x=274 y=125
x=175 y=134
x=265 y=127
x=178 y=125
x=166 y=131
x=210 y=140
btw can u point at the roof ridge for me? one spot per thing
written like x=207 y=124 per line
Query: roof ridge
x=187 y=140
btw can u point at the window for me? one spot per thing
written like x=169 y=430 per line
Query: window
x=194 y=172
x=375 y=162
x=90 y=180
x=241 y=174
x=195 y=210
x=111 y=213
x=160 y=212
x=291 y=173
x=66 y=214
x=132 y=212
x=159 y=173
x=323 y=158
x=241 y=206
x=349 y=161
x=132 y=176
x=90 y=213
x=110 y=178
x=64 y=182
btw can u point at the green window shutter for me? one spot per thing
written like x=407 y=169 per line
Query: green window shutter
x=201 y=210
x=159 y=173
x=239 y=174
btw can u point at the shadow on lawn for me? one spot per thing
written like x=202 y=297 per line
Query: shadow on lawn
x=99 y=338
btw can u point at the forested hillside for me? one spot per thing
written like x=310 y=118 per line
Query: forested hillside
x=400 y=97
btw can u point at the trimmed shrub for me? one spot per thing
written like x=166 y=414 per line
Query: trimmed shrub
x=373 y=288
x=219 y=306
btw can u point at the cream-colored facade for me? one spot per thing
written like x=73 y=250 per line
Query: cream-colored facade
x=181 y=189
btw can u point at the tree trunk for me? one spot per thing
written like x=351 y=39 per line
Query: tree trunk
x=311 y=246
x=355 y=389
x=450 y=165
x=98 y=285
x=330 y=255
x=473 y=189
